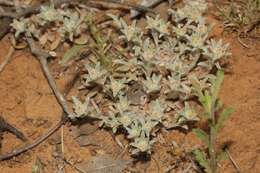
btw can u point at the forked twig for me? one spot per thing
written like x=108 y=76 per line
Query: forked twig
x=42 y=57
x=34 y=144
x=47 y=134
x=242 y=43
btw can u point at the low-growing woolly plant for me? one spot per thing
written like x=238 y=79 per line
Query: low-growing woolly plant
x=215 y=116
x=141 y=81
x=151 y=88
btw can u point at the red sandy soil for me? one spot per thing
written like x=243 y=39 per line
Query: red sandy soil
x=28 y=103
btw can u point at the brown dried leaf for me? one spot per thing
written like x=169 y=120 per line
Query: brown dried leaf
x=52 y=36
x=84 y=141
x=104 y=164
x=55 y=43
x=83 y=39
x=18 y=45
x=84 y=129
x=43 y=39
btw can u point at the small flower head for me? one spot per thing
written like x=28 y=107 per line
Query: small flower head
x=158 y=25
x=19 y=26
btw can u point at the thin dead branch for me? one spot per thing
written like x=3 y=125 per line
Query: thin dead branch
x=5 y=26
x=47 y=134
x=42 y=57
x=38 y=141
x=7 y=58
x=5 y=126
x=6 y=3
x=146 y=4
x=140 y=8
x=233 y=161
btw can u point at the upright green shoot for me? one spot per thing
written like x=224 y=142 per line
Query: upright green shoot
x=215 y=115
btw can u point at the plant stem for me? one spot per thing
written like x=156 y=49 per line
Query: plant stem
x=212 y=151
x=212 y=145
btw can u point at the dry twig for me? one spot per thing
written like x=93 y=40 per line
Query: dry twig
x=233 y=161
x=6 y=2
x=42 y=57
x=5 y=126
x=7 y=58
x=146 y=4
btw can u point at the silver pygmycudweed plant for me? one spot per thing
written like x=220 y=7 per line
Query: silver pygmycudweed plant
x=164 y=58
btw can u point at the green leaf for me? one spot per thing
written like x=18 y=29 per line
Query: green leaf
x=71 y=53
x=204 y=98
x=217 y=84
x=207 y=103
x=202 y=135
x=201 y=159
x=224 y=115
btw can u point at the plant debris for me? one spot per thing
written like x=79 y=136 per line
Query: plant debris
x=103 y=164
